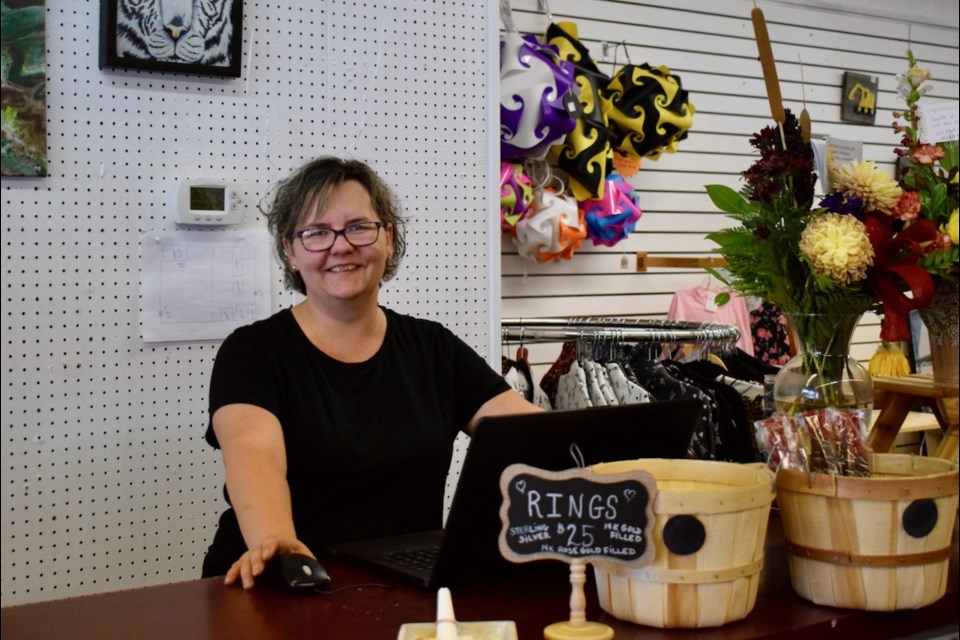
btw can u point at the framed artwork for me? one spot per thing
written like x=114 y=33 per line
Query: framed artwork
x=183 y=36
x=859 y=98
x=24 y=102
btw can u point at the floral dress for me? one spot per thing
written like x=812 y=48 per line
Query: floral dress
x=771 y=342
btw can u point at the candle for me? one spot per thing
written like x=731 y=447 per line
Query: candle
x=446 y=621
x=447 y=628
x=768 y=65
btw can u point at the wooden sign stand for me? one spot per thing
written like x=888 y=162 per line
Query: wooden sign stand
x=578 y=628
x=573 y=516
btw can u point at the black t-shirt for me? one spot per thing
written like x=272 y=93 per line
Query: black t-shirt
x=368 y=444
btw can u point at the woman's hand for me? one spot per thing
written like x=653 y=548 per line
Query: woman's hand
x=251 y=564
x=251 y=441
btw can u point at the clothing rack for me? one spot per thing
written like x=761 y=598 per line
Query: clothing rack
x=724 y=336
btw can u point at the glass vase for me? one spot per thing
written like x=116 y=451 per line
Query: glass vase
x=823 y=374
x=941 y=319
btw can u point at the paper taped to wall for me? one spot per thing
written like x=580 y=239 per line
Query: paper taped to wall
x=199 y=285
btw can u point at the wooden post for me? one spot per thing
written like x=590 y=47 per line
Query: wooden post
x=578 y=601
x=577 y=628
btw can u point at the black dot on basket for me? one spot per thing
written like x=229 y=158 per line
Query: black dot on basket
x=920 y=517
x=684 y=535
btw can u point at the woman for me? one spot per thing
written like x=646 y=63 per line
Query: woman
x=336 y=418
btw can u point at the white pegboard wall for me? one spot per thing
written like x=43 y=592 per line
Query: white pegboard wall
x=107 y=481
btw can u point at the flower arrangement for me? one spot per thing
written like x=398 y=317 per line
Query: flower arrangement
x=866 y=246
x=928 y=176
x=851 y=254
x=803 y=260
x=823 y=265
x=927 y=171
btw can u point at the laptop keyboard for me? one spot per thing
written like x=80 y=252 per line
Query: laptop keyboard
x=422 y=559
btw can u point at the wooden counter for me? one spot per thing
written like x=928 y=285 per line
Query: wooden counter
x=206 y=609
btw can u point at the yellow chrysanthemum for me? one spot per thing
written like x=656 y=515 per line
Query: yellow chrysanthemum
x=838 y=247
x=864 y=180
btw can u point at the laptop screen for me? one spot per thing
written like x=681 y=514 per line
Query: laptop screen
x=552 y=440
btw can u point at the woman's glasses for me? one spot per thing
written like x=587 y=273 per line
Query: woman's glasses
x=359 y=234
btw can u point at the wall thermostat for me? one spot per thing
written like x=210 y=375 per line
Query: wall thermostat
x=207 y=202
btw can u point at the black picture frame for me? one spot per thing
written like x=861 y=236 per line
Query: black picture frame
x=862 y=110
x=124 y=47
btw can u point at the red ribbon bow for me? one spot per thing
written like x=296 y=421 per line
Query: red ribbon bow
x=895 y=270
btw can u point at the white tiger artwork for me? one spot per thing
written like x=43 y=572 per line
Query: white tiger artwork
x=187 y=31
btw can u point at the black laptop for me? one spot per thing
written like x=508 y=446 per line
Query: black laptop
x=466 y=549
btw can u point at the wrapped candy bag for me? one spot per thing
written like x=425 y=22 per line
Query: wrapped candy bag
x=780 y=441
x=823 y=441
x=837 y=442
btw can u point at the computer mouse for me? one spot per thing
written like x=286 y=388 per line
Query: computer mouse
x=295 y=572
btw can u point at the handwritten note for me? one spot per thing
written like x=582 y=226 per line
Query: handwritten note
x=939 y=122
x=565 y=515
x=840 y=152
x=200 y=285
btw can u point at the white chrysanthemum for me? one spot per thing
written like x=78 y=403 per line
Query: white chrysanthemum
x=838 y=247
x=864 y=180
x=913 y=78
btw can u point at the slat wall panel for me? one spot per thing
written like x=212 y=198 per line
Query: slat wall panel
x=710 y=45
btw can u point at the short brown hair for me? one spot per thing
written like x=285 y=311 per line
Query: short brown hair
x=287 y=206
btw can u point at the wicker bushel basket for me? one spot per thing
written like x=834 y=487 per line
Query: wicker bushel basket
x=708 y=536
x=879 y=543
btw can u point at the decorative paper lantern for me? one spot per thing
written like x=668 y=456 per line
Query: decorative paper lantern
x=552 y=230
x=610 y=219
x=537 y=97
x=648 y=111
x=516 y=195
x=584 y=153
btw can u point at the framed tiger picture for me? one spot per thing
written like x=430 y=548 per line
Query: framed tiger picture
x=183 y=36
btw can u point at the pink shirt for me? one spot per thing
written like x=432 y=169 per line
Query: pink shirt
x=697 y=305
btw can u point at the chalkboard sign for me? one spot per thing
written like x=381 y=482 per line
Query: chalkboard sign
x=576 y=514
